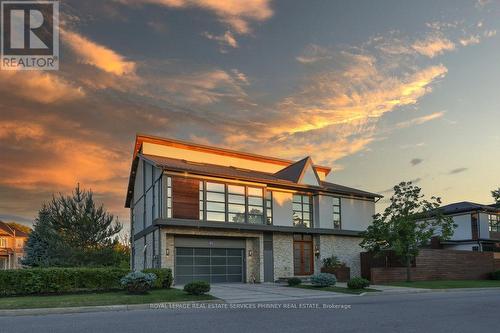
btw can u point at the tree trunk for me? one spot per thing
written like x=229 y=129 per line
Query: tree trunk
x=408 y=268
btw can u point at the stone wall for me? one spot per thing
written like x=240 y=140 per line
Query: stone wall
x=441 y=265
x=283 y=255
x=347 y=249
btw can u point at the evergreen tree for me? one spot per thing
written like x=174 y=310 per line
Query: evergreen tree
x=73 y=231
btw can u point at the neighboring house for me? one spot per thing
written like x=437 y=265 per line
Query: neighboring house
x=227 y=216
x=478 y=227
x=12 y=242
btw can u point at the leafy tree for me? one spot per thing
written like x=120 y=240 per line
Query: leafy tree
x=496 y=195
x=72 y=231
x=407 y=224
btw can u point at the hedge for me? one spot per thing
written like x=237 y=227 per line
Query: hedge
x=164 y=277
x=59 y=280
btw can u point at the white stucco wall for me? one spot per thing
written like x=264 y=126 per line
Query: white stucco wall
x=323 y=212
x=464 y=228
x=282 y=209
x=309 y=177
x=356 y=214
x=484 y=228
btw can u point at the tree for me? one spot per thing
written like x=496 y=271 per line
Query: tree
x=73 y=231
x=496 y=195
x=407 y=224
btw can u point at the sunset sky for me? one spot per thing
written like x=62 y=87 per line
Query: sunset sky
x=382 y=91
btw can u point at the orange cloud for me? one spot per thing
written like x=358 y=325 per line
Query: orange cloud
x=420 y=120
x=97 y=55
x=236 y=13
x=433 y=46
x=38 y=86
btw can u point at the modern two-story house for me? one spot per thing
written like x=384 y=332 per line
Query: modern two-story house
x=227 y=216
x=477 y=227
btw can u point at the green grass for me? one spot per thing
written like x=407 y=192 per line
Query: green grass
x=102 y=298
x=336 y=289
x=449 y=284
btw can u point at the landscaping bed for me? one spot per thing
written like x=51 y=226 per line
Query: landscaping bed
x=98 y=298
x=448 y=284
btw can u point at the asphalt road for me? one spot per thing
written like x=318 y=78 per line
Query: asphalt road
x=469 y=311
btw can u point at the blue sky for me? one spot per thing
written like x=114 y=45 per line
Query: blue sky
x=382 y=91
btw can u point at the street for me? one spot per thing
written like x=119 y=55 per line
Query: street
x=457 y=311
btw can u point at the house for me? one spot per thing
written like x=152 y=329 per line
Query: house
x=478 y=227
x=12 y=241
x=228 y=216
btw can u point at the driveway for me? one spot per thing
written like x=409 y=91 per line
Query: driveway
x=265 y=292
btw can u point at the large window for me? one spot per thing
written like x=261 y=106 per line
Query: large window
x=215 y=201
x=302 y=210
x=255 y=205
x=494 y=222
x=336 y=214
x=231 y=203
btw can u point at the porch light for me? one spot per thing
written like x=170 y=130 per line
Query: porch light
x=250 y=253
x=167 y=252
x=316 y=251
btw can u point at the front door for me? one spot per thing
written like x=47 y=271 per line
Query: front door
x=302 y=255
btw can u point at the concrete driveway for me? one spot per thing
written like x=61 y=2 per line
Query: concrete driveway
x=265 y=292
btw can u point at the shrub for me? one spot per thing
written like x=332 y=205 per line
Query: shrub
x=164 y=277
x=294 y=281
x=332 y=262
x=197 y=287
x=323 y=280
x=495 y=275
x=358 y=283
x=59 y=280
x=138 y=282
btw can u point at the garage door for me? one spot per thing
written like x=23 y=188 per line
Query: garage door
x=208 y=264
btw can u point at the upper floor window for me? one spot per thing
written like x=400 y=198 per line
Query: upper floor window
x=169 y=197
x=232 y=203
x=336 y=214
x=3 y=242
x=302 y=210
x=215 y=201
x=494 y=222
x=269 y=207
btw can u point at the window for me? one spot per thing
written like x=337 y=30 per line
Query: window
x=231 y=203
x=269 y=207
x=236 y=203
x=19 y=242
x=494 y=222
x=169 y=197
x=215 y=201
x=255 y=205
x=3 y=242
x=302 y=210
x=336 y=214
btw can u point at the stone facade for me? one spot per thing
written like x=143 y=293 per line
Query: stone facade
x=347 y=249
x=283 y=255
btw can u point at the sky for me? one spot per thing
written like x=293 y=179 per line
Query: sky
x=381 y=91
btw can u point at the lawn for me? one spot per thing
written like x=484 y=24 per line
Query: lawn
x=447 y=284
x=103 y=298
x=336 y=289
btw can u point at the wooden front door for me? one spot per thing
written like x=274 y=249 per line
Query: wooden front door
x=303 y=255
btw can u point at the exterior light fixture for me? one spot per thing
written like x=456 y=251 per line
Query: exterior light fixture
x=167 y=252
x=250 y=252
x=316 y=251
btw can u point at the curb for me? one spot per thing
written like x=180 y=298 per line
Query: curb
x=99 y=308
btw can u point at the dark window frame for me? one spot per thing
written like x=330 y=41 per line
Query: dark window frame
x=302 y=211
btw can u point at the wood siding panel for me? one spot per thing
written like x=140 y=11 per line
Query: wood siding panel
x=185 y=198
